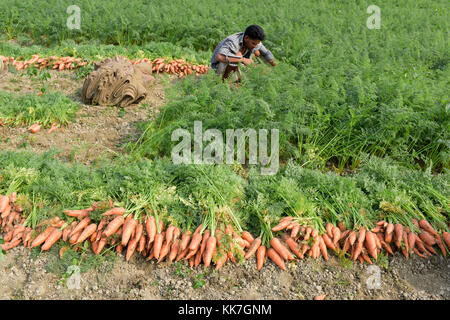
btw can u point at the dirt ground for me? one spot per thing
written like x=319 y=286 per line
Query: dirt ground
x=98 y=130
x=25 y=276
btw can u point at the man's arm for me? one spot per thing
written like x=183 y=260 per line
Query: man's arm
x=222 y=58
x=267 y=55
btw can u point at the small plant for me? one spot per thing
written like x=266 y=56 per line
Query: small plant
x=199 y=281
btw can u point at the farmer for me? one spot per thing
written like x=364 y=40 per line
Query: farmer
x=239 y=47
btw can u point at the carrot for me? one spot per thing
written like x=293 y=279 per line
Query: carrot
x=80 y=226
x=87 y=232
x=282 y=224
x=113 y=226
x=8 y=237
x=4 y=202
x=329 y=228
x=344 y=235
x=195 y=242
x=305 y=248
x=10 y=245
x=159 y=238
x=119 y=248
x=427 y=227
x=210 y=246
x=388 y=233
x=366 y=258
x=182 y=253
x=185 y=240
x=253 y=248
x=418 y=253
x=165 y=248
x=198 y=229
x=308 y=233
x=328 y=242
x=323 y=248
x=141 y=243
x=411 y=240
x=221 y=261
x=114 y=212
x=101 y=244
x=405 y=248
x=128 y=228
x=34 y=128
x=446 y=237
x=260 y=255
x=54 y=236
x=77 y=213
x=430 y=248
x=247 y=236
x=295 y=230
x=273 y=255
x=357 y=251
x=398 y=234
x=320 y=297
x=314 y=233
x=281 y=249
x=150 y=227
x=40 y=239
x=198 y=258
x=174 y=250
x=427 y=238
x=336 y=235
x=370 y=244
x=169 y=233
x=206 y=235
x=441 y=245
x=191 y=261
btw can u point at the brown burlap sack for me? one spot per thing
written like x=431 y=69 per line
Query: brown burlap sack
x=115 y=81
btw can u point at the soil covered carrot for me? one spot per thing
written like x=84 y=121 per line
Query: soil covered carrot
x=87 y=232
x=425 y=225
x=283 y=224
x=253 y=247
x=260 y=255
x=113 y=226
x=40 y=239
x=427 y=238
x=247 y=236
x=114 y=212
x=54 y=236
x=80 y=226
x=209 y=250
x=128 y=229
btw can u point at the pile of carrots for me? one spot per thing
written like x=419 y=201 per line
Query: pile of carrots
x=59 y=63
x=149 y=237
x=159 y=65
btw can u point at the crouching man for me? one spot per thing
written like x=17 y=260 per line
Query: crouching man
x=239 y=48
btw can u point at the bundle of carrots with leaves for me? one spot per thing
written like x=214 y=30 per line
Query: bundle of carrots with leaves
x=218 y=239
x=159 y=65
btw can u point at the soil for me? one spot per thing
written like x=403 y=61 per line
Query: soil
x=24 y=276
x=98 y=131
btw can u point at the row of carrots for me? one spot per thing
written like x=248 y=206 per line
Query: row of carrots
x=150 y=238
x=159 y=65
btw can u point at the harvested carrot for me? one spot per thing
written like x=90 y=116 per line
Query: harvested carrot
x=282 y=224
x=77 y=213
x=328 y=242
x=182 y=253
x=208 y=254
x=427 y=238
x=119 y=248
x=320 y=297
x=113 y=226
x=157 y=245
x=174 y=250
x=205 y=237
x=416 y=251
x=336 y=235
x=329 y=228
x=260 y=255
x=40 y=239
x=389 y=232
x=247 y=236
x=80 y=226
x=198 y=229
x=344 y=235
x=185 y=238
x=253 y=247
x=169 y=233
x=74 y=237
x=34 y=128
x=150 y=227
x=315 y=233
x=198 y=258
x=441 y=245
x=221 y=261
x=446 y=237
x=370 y=244
x=114 y=212
x=425 y=225
x=4 y=202
x=323 y=248
x=87 y=232
x=430 y=248
x=141 y=243
x=295 y=230
x=195 y=242
x=275 y=257
x=281 y=249
x=366 y=258
x=54 y=236
x=398 y=234
x=411 y=240
x=128 y=229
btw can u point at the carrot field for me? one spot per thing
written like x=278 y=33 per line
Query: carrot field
x=363 y=117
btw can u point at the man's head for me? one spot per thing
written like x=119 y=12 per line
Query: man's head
x=253 y=35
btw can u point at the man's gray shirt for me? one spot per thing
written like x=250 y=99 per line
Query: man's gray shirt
x=232 y=44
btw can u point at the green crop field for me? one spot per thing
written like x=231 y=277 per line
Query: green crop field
x=363 y=114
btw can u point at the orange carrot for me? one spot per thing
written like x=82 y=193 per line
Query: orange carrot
x=198 y=229
x=165 y=248
x=427 y=238
x=4 y=202
x=441 y=245
x=77 y=213
x=336 y=235
x=40 y=239
x=427 y=227
x=388 y=233
x=398 y=234
x=323 y=248
x=87 y=232
x=329 y=228
x=210 y=246
x=281 y=249
x=185 y=240
x=370 y=244
x=221 y=261
x=320 y=297
x=113 y=226
x=34 y=128
x=169 y=233
x=254 y=246
x=430 y=248
x=114 y=212
x=307 y=234
x=150 y=227
x=182 y=253
x=80 y=226
x=446 y=237
x=131 y=248
x=158 y=244
x=366 y=258
x=195 y=242
x=141 y=243
x=260 y=255
x=174 y=250
x=282 y=224
x=206 y=235
x=247 y=236
x=273 y=255
x=295 y=230
x=128 y=228
x=314 y=233
x=54 y=236
x=405 y=248
x=328 y=242
x=411 y=240
x=198 y=258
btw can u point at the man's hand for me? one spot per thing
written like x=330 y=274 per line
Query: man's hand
x=272 y=62
x=246 y=61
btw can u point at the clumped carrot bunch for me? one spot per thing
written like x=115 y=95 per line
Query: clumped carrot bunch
x=131 y=233
x=177 y=67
